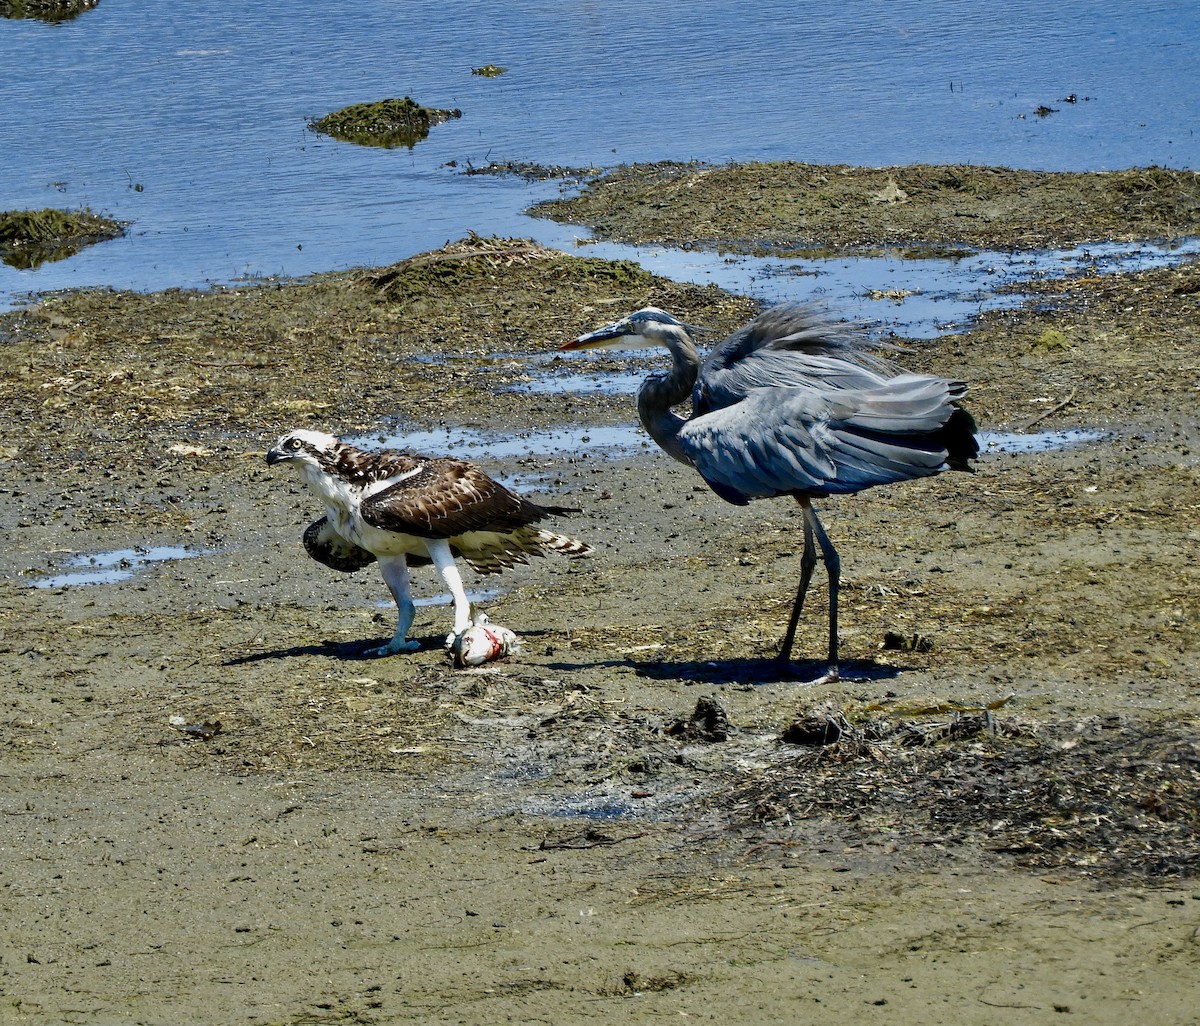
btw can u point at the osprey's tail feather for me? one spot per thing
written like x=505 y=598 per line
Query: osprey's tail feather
x=572 y=547
x=489 y=553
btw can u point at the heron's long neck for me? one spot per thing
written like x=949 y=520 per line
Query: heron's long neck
x=660 y=392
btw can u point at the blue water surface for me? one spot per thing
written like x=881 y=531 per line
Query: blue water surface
x=190 y=119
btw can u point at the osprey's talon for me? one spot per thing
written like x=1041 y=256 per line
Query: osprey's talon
x=461 y=628
x=393 y=648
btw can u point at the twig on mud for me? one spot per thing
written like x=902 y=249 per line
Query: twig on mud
x=255 y=364
x=590 y=838
x=1050 y=412
x=999 y=1004
x=754 y=848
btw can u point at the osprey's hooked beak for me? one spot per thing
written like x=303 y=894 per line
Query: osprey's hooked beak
x=278 y=455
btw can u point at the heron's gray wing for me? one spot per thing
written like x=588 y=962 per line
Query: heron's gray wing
x=779 y=441
x=790 y=344
x=771 y=368
x=325 y=545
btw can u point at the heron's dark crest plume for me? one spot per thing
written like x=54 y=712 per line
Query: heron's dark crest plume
x=793 y=404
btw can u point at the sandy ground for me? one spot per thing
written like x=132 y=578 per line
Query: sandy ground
x=1006 y=831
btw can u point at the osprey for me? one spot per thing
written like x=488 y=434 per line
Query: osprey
x=403 y=509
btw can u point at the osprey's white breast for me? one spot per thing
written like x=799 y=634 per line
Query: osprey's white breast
x=343 y=506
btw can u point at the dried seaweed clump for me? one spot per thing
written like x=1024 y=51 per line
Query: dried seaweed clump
x=385 y=123
x=477 y=257
x=45 y=10
x=32 y=237
x=709 y=722
x=1107 y=798
x=782 y=207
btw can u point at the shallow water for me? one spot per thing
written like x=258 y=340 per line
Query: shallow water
x=1013 y=442
x=585 y=382
x=111 y=567
x=474 y=444
x=940 y=294
x=444 y=598
x=193 y=126
x=622 y=440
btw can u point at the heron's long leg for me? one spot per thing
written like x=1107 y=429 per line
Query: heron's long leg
x=443 y=559
x=808 y=560
x=395 y=576
x=833 y=567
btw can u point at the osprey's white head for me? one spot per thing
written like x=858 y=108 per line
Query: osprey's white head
x=317 y=457
x=311 y=448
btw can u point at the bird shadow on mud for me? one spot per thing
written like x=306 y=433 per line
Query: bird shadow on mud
x=741 y=671
x=352 y=651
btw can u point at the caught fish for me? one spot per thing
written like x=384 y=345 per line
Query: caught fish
x=482 y=642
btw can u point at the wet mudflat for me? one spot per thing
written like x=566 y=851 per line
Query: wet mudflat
x=216 y=808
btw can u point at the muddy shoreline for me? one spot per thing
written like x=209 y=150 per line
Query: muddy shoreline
x=1007 y=828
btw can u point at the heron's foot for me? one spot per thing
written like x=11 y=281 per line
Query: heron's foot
x=393 y=647
x=830 y=676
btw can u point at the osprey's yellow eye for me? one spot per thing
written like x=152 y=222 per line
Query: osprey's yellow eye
x=293 y=443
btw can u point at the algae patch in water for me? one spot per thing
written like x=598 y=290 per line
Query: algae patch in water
x=489 y=71
x=32 y=237
x=45 y=10
x=386 y=123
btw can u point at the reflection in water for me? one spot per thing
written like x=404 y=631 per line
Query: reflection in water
x=614 y=442
x=595 y=383
x=384 y=123
x=476 y=596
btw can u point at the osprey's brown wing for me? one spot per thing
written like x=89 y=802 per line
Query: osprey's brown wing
x=326 y=546
x=444 y=497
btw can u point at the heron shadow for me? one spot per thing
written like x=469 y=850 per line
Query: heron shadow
x=742 y=671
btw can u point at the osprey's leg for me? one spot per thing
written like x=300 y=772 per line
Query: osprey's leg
x=395 y=575
x=808 y=562
x=443 y=559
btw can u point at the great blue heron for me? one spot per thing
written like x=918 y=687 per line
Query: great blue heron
x=791 y=404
